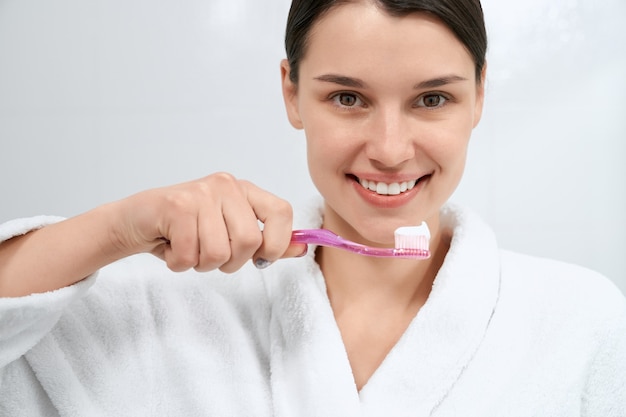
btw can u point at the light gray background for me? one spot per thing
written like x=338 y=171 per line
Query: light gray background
x=100 y=99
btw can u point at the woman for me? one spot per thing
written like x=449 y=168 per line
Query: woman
x=388 y=94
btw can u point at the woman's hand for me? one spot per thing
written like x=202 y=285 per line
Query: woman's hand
x=210 y=223
x=206 y=224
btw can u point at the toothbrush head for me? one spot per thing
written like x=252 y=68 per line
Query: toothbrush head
x=412 y=237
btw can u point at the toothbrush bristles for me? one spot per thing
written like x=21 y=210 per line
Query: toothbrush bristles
x=412 y=238
x=412 y=242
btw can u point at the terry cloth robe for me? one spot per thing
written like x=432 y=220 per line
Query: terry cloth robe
x=501 y=334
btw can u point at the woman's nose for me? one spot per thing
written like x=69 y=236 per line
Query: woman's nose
x=390 y=141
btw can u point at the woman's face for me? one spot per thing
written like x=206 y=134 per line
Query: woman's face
x=388 y=105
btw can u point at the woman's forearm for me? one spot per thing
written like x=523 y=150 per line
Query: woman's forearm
x=57 y=255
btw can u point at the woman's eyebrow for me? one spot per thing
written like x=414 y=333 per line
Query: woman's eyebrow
x=342 y=80
x=357 y=83
x=439 y=81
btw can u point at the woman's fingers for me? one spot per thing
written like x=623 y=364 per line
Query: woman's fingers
x=182 y=251
x=241 y=223
x=277 y=218
x=212 y=223
x=214 y=241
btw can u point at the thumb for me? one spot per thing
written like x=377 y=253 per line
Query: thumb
x=295 y=250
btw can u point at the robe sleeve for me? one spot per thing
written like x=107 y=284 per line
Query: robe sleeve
x=24 y=321
x=605 y=393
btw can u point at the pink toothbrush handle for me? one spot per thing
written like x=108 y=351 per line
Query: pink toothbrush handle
x=324 y=237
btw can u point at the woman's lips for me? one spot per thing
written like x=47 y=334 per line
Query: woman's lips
x=383 y=188
x=388 y=194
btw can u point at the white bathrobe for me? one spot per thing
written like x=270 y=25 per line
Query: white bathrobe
x=501 y=334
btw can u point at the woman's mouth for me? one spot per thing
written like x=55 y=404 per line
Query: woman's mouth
x=388 y=195
x=383 y=188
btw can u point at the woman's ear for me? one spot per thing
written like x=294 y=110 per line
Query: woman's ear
x=290 y=95
x=480 y=95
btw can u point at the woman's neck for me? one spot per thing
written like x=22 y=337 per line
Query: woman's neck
x=354 y=280
x=374 y=300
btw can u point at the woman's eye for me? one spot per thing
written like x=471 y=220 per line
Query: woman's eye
x=432 y=101
x=347 y=100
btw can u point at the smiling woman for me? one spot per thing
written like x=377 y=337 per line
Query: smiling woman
x=360 y=97
x=388 y=94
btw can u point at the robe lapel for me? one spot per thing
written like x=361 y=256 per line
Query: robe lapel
x=310 y=371
x=441 y=341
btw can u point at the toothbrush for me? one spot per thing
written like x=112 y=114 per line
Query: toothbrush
x=411 y=242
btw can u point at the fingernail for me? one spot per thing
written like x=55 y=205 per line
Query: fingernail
x=261 y=263
x=304 y=252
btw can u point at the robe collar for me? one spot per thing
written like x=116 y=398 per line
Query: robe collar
x=310 y=371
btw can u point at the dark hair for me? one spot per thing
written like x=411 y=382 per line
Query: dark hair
x=464 y=17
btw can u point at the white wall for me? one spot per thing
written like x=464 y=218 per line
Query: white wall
x=101 y=99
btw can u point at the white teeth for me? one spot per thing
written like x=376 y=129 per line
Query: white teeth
x=393 y=189
x=382 y=188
